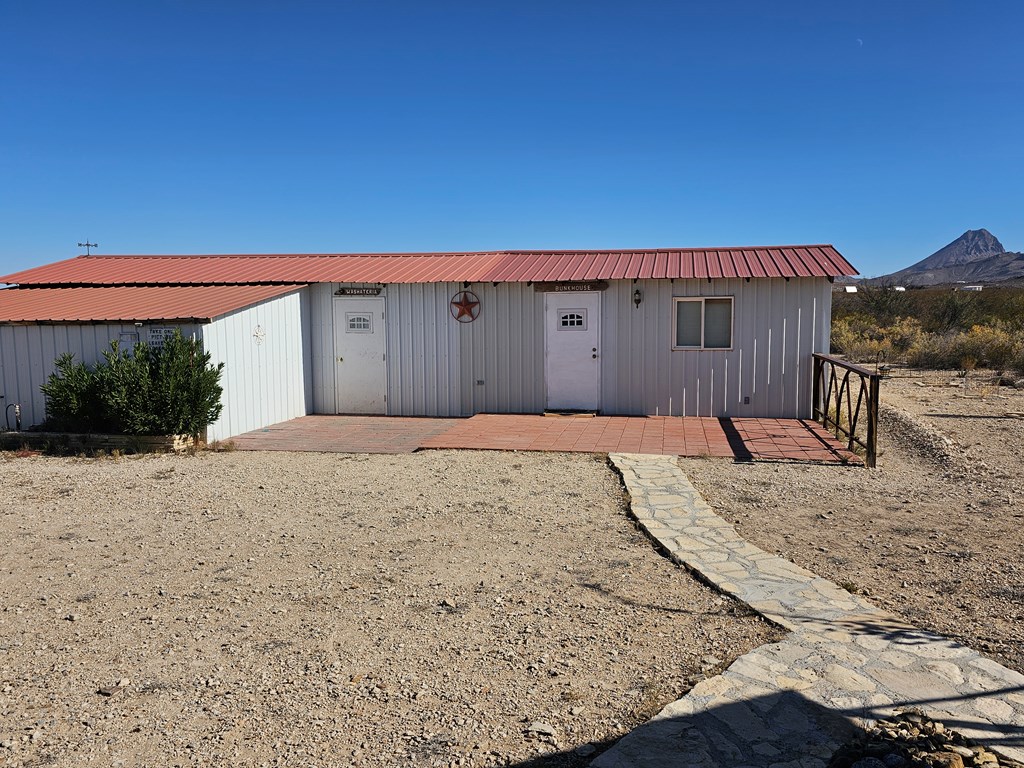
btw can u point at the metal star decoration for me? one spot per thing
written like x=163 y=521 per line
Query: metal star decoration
x=465 y=306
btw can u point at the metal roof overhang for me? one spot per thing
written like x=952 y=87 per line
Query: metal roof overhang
x=501 y=266
x=127 y=304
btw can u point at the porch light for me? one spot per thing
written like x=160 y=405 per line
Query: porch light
x=637 y=297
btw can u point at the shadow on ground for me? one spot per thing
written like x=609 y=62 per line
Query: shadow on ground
x=756 y=733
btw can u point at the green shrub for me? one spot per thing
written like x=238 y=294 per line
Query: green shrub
x=172 y=390
x=71 y=397
x=123 y=384
x=184 y=388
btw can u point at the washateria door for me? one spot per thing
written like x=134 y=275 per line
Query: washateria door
x=360 y=378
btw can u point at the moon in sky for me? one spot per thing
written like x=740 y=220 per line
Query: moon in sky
x=860 y=42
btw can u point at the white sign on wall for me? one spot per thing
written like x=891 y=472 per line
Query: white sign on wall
x=157 y=336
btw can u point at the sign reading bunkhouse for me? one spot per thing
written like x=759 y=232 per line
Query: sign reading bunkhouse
x=358 y=291
x=572 y=287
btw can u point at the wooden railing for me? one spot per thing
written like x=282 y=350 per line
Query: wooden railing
x=839 y=408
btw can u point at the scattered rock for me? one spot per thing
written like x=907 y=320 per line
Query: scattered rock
x=110 y=690
x=395 y=619
x=540 y=729
x=912 y=739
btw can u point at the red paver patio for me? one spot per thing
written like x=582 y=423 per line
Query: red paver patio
x=345 y=434
x=741 y=439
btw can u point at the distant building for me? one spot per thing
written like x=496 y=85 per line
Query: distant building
x=970 y=288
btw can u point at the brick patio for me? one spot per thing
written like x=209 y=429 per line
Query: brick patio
x=740 y=439
x=345 y=434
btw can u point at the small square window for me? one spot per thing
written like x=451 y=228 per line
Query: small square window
x=572 y=319
x=703 y=323
x=358 y=322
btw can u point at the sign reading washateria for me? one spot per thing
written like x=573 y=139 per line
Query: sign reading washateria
x=708 y=332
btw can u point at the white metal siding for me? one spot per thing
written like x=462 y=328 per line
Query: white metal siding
x=777 y=325
x=438 y=367
x=28 y=352
x=504 y=349
x=266 y=377
x=321 y=333
x=423 y=350
x=435 y=362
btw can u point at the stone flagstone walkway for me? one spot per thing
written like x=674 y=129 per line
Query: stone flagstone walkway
x=792 y=704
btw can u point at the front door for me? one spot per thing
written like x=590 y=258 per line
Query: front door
x=572 y=350
x=360 y=379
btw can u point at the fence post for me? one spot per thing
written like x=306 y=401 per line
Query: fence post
x=816 y=387
x=872 y=436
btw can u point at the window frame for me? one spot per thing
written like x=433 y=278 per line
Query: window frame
x=580 y=313
x=350 y=316
x=676 y=300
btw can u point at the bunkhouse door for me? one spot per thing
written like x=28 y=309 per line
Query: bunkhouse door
x=572 y=350
x=360 y=378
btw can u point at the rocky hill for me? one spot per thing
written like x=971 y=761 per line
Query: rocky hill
x=976 y=256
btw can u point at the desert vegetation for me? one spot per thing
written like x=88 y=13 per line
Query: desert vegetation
x=931 y=327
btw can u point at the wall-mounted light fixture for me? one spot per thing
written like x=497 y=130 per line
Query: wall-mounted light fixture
x=637 y=297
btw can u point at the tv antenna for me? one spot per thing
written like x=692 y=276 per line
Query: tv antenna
x=87 y=245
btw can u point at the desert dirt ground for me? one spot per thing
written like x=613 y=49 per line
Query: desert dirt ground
x=935 y=533
x=442 y=608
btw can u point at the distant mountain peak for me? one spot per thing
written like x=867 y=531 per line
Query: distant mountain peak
x=977 y=255
x=972 y=245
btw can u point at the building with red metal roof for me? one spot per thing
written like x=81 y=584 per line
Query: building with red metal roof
x=670 y=331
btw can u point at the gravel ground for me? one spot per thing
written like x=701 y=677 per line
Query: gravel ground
x=935 y=534
x=444 y=608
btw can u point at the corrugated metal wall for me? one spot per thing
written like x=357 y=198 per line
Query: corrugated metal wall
x=266 y=353
x=502 y=351
x=777 y=325
x=424 y=352
x=321 y=335
x=437 y=367
x=28 y=352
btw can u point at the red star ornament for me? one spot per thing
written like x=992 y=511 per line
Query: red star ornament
x=465 y=307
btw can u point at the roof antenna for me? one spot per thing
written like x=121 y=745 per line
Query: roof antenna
x=87 y=245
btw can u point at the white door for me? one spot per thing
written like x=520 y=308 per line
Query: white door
x=360 y=378
x=572 y=350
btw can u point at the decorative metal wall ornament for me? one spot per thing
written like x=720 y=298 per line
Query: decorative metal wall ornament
x=258 y=335
x=465 y=306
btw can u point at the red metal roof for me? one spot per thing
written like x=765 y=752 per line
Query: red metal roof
x=199 y=303
x=493 y=266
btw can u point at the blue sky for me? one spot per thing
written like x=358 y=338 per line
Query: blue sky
x=886 y=128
